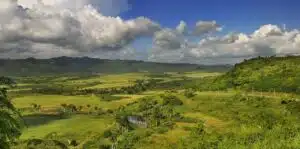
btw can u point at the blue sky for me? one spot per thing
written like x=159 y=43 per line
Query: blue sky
x=234 y=15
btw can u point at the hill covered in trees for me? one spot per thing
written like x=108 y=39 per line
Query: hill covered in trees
x=264 y=74
x=85 y=65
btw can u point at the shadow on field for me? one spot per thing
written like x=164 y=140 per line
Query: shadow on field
x=40 y=119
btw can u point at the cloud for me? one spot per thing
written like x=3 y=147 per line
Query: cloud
x=204 y=27
x=168 y=39
x=173 y=56
x=105 y=7
x=182 y=27
x=57 y=26
x=125 y=53
x=267 y=30
x=268 y=40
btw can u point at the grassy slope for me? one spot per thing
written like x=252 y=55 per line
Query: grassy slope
x=266 y=74
x=222 y=114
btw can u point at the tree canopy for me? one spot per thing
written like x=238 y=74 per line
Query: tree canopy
x=10 y=119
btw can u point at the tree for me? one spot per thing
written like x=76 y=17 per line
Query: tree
x=10 y=118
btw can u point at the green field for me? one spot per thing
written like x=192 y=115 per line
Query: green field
x=176 y=110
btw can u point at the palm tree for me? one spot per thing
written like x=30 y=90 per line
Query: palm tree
x=10 y=119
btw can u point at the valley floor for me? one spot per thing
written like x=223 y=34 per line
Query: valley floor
x=205 y=119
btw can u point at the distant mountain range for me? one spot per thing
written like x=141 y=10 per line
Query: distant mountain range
x=86 y=65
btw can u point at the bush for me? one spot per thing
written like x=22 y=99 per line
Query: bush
x=284 y=102
x=171 y=100
x=110 y=111
x=36 y=106
x=73 y=142
x=104 y=146
x=45 y=144
x=72 y=108
x=146 y=103
x=63 y=105
x=187 y=119
x=162 y=130
x=80 y=108
x=189 y=93
x=107 y=97
x=107 y=134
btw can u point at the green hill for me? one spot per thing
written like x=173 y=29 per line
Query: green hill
x=85 y=65
x=265 y=74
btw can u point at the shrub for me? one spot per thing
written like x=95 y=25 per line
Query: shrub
x=36 y=106
x=107 y=134
x=45 y=144
x=72 y=108
x=199 y=129
x=100 y=111
x=63 y=105
x=189 y=93
x=104 y=146
x=284 y=102
x=110 y=111
x=80 y=108
x=161 y=130
x=146 y=103
x=73 y=142
x=108 y=97
x=171 y=100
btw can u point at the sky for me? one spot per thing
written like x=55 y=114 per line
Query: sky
x=189 y=31
x=240 y=15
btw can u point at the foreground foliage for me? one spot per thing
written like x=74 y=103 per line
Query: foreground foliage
x=10 y=125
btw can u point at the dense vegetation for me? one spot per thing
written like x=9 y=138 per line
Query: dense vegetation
x=10 y=121
x=267 y=74
x=264 y=74
x=254 y=105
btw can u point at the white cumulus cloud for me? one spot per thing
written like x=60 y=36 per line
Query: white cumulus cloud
x=203 y=27
x=55 y=25
x=182 y=27
x=106 y=7
x=268 y=40
x=168 y=39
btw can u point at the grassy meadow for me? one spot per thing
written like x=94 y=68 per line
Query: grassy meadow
x=41 y=112
x=167 y=111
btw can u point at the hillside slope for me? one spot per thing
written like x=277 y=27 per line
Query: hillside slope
x=266 y=74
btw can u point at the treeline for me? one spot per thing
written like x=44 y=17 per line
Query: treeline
x=139 y=86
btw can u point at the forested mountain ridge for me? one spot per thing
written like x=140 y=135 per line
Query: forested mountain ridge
x=66 y=65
